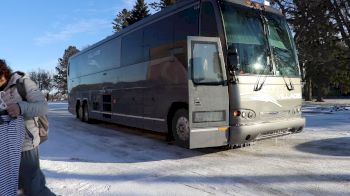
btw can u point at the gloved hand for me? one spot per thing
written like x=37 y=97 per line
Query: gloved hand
x=13 y=110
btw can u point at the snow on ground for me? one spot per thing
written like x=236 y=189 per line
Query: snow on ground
x=98 y=159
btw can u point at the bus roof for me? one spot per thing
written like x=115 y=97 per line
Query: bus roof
x=139 y=24
x=170 y=9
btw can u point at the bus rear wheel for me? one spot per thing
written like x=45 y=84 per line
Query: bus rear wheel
x=80 y=113
x=181 y=128
x=86 y=117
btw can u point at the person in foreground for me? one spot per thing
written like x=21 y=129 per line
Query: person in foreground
x=31 y=178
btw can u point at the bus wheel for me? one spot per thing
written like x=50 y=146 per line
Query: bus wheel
x=77 y=111
x=86 y=113
x=80 y=113
x=181 y=128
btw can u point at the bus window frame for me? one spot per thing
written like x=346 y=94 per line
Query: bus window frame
x=192 y=40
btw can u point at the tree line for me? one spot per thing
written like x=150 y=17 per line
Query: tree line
x=321 y=32
x=140 y=10
x=322 y=36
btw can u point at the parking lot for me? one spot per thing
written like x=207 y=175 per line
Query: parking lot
x=94 y=159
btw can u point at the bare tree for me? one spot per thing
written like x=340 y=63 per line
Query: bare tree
x=42 y=78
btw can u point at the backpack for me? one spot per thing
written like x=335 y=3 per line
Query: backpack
x=43 y=121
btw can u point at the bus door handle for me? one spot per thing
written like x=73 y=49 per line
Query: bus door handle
x=197 y=102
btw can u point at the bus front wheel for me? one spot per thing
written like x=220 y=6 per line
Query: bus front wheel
x=181 y=128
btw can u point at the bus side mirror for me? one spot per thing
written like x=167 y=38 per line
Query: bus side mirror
x=233 y=59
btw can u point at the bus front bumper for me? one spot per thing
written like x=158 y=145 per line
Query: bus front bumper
x=236 y=135
x=247 y=133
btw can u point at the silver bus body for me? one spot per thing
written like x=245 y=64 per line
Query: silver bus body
x=170 y=73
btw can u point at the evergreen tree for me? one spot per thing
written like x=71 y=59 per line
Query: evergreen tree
x=315 y=37
x=341 y=78
x=120 y=22
x=139 y=12
x=161 y=4
x=322 y=37
x=340 y=11
x=60 y=78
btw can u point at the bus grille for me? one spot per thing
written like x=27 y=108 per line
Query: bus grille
x=274 y=133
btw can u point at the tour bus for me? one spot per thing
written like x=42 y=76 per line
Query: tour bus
x=205 y=72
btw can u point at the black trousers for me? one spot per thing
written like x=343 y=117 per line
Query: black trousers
x=31 y=178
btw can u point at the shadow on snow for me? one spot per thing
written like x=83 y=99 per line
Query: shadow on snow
x=331 y=147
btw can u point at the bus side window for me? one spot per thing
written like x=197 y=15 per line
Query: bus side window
x=132 y=48
x=208 y=21
x=158 y=39
x=185 y=24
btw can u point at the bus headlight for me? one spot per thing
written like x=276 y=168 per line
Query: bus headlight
x=244 y=113
x=296 y=110
x=214 y=116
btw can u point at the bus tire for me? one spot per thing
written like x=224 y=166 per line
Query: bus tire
x=181 y=128
x=77 y=113
x=86 y=117
x=77 y=110
x=80 y=112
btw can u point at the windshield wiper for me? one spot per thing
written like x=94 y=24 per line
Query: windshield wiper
x=289 y=86
x=258 y=86
x=267 y=33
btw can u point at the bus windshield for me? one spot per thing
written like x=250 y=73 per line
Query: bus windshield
x=281 y=43
x=246 y=32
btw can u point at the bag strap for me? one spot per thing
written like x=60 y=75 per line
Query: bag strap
x=19 y=73
x=21 y=88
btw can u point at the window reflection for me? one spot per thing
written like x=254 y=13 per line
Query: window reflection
x=282 y=46
x=206 y=63
x=246 y=32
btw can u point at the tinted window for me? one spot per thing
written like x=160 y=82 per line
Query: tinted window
x=158 y=39
x=186 y=24
x=132 y=48
x=245 y=32
x=208 y=21
x=103 y=57
x=281 y=43
x=71 y=68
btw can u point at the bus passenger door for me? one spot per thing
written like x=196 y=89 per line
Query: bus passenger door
x=208 y=93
